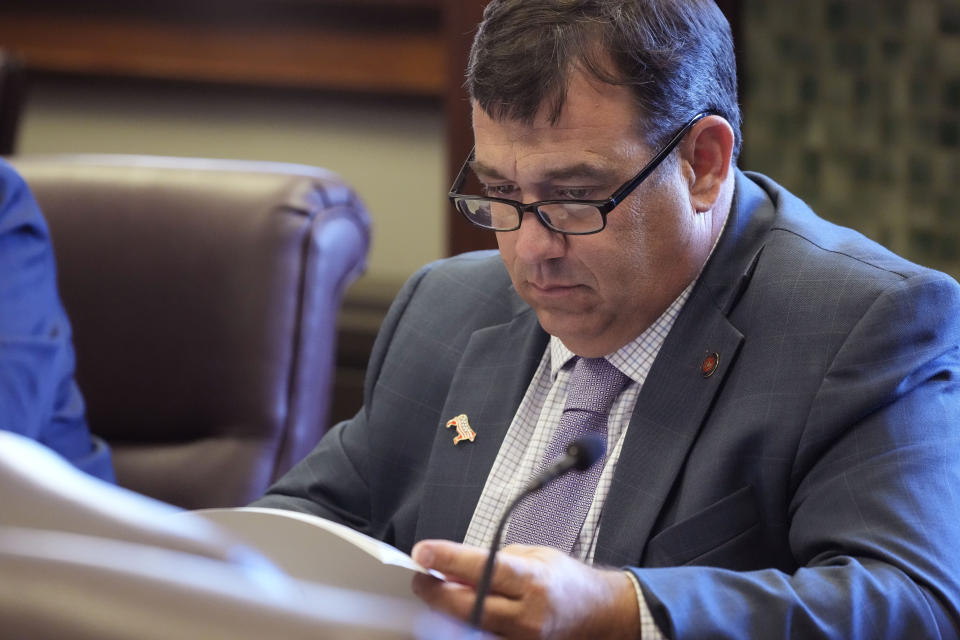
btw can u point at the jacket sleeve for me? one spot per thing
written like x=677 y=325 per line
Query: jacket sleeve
x=875 y=496
x=38 y=395
x=333 y=481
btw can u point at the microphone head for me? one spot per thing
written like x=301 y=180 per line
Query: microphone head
x=587 y=450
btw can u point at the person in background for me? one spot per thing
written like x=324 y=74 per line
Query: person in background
x=38 y=395
x=778 y=395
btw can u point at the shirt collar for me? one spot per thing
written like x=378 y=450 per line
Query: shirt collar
x=634 y=358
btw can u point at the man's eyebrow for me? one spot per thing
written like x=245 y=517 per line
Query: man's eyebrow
x=579 y=170
x=484 y=171
x=582 y=170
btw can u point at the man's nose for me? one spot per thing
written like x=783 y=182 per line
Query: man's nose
x=536 y=242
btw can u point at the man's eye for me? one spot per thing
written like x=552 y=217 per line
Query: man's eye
x=575 y=193
x=500 y=190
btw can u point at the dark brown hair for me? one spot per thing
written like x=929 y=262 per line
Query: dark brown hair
x=675 y=55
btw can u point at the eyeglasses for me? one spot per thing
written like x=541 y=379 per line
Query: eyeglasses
x=572 y=217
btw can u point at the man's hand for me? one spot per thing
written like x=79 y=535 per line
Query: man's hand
x=536 y=592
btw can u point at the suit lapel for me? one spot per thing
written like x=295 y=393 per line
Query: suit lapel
x=676 y=397
x=488 y=386
x=670 y=410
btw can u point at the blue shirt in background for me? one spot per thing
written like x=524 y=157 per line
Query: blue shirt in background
x=38 y=395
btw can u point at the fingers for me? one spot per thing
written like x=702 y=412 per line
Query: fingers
x=459 y=562
x=521 y=566
x=448 y=597
x=462 y=563
x=463 y=566
x=457 y=600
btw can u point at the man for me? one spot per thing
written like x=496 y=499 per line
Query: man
x=38 y=396
x=782 y=446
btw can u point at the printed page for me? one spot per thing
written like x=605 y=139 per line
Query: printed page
x=312 y=548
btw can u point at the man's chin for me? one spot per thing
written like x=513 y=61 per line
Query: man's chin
x=571 y=328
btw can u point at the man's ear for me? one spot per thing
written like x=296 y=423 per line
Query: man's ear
x=706 y=153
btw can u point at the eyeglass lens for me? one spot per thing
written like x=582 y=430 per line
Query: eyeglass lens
x=571 y=218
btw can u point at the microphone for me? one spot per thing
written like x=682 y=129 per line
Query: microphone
x=580 y=456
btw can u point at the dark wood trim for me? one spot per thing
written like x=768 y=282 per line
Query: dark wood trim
x=407 y=61
x=462 y=18
x=11 y=101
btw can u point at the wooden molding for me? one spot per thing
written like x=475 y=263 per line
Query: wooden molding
x=310 y=56
x=461 y=19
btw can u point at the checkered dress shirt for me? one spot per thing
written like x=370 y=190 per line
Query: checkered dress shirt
x=538 y=417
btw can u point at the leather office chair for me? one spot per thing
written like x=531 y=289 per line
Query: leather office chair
x=203 y=296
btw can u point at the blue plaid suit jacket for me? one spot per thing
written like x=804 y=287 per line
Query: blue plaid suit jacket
x=809 y=487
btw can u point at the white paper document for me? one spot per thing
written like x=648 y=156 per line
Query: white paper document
x=312 y=548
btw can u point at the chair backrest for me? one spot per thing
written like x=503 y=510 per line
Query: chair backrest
x=203 y=296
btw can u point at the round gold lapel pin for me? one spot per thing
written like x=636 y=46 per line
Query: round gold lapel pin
x=710 y=364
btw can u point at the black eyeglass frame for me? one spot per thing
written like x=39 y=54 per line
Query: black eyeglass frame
x=603 y=206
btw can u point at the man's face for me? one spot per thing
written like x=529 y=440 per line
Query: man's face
x=595 y=292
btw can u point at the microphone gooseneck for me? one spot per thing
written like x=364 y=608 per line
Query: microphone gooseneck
x=580 y=456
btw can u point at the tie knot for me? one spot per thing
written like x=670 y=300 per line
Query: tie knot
x=594 y=384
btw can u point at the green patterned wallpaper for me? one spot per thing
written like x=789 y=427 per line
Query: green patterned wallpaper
x=855 y=106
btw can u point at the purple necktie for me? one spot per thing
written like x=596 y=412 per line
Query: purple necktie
x=554 y=515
